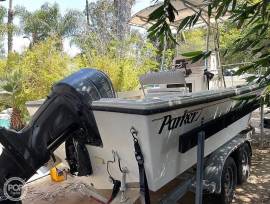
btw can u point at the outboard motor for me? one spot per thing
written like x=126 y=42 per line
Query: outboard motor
x=65 y=115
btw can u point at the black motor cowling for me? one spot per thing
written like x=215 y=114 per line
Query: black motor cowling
x=65 y=115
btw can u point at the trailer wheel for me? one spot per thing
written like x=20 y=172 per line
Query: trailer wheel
x=244 y=163
x=228 y=182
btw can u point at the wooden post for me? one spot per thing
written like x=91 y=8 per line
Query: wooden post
x=262 y=122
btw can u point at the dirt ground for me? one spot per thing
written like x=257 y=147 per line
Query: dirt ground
x=78 y=190
x=72 y=191
x=257 y=188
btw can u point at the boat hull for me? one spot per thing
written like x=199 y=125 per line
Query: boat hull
x=159 y=136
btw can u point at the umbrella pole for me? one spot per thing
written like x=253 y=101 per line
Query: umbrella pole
x=217 y=47
x=207 y=48
x=163 y=53
x=177 y=45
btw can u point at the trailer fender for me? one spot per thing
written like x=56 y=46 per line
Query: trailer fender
x=215 y=162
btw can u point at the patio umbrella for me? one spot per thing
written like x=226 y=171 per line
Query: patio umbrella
x=184 y=8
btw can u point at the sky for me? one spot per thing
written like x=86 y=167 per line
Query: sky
x=20 y=43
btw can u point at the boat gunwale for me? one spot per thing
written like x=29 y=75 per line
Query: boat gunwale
x=164 y=107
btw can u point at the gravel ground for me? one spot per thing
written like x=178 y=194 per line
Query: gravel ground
x=76 y=190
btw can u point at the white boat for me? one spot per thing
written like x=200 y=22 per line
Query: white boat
x=167 y=121
x=167 y=128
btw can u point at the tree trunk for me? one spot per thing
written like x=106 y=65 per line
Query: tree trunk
x=16 y=122
x=10 y=27
x=34 y=38
x=122 y=14
x=87 y=12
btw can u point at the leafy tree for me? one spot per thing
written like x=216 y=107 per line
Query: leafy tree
x=123 y=60
x=30 y=76
x=42 y=66
x=108 y=21
x=193 y=40
x=229 y=33
x=101 y=30
x=124 y=71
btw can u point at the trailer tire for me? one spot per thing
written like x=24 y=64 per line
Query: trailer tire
x=228 y=182
x=244 y=163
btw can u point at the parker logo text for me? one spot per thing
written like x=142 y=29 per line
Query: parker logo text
x=173 y=123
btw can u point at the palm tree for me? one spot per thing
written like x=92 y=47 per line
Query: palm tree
x=3 y=29
x=10 y=26
x=48 y=22
x=12 y=85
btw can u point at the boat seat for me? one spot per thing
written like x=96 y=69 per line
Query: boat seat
x=168 y=82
